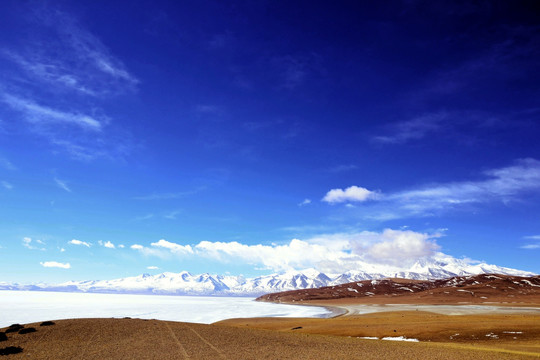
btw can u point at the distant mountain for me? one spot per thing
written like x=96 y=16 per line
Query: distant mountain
x=185 y=283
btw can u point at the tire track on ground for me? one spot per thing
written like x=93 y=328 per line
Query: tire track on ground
x=221 y=355
x=180 y=346
x=88 y=343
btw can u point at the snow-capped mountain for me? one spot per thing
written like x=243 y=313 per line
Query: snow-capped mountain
x=185 y=283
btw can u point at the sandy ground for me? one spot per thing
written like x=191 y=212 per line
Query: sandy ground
x=152 y=339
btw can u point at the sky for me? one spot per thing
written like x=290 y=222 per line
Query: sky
x=249 y=138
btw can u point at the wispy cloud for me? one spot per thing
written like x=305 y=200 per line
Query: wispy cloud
x=55 y=264
x=43 y=115
x=73 y=58
x=6 y=164
x=169 y=195
x=304 y=202
x=62 y=184
x=503 y=184
x=79 y=243
x=152 y=267
x=501 y=59
x=143 y=217
x=6 y=185
x=294 y=70
x=29 y=244
x=414 y=129
x=59 y=63
x=172 y=215
x=533 y=245
x=343 y=168
x=207 y=109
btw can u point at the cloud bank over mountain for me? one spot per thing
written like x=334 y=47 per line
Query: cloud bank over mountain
x=334 y=253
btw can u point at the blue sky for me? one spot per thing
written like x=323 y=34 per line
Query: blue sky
x=255 y=137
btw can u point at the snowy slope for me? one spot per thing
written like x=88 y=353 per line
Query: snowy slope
x=185 y=283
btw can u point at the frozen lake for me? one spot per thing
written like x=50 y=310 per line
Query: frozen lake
x=34 y=306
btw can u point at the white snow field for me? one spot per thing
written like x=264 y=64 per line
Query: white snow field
x=35 y=306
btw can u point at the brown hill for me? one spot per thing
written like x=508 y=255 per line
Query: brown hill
x=484 y=288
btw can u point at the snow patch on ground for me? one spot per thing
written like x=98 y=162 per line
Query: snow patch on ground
x=406 y=288
x=530 y=283
x=399 y=338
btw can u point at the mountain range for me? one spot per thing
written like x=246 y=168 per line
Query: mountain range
x=185 y=283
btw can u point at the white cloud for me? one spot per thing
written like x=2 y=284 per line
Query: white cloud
x=106 y=244
x=6 y=185
x=174 y=248
x=396 y=246
x=305 y=202
x=28 y=243
x=152 y=267
x=43 y=115
x=79 y=243
x=531 y=246
x=333 y=253
x=55 y=264
x=297 y=254
x=137 y=247
x=109 y=245
x=62 y=184
x=121 y=246
x=352 y=193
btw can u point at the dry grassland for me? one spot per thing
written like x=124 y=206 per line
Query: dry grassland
x=152 y=339
x=519 y=334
